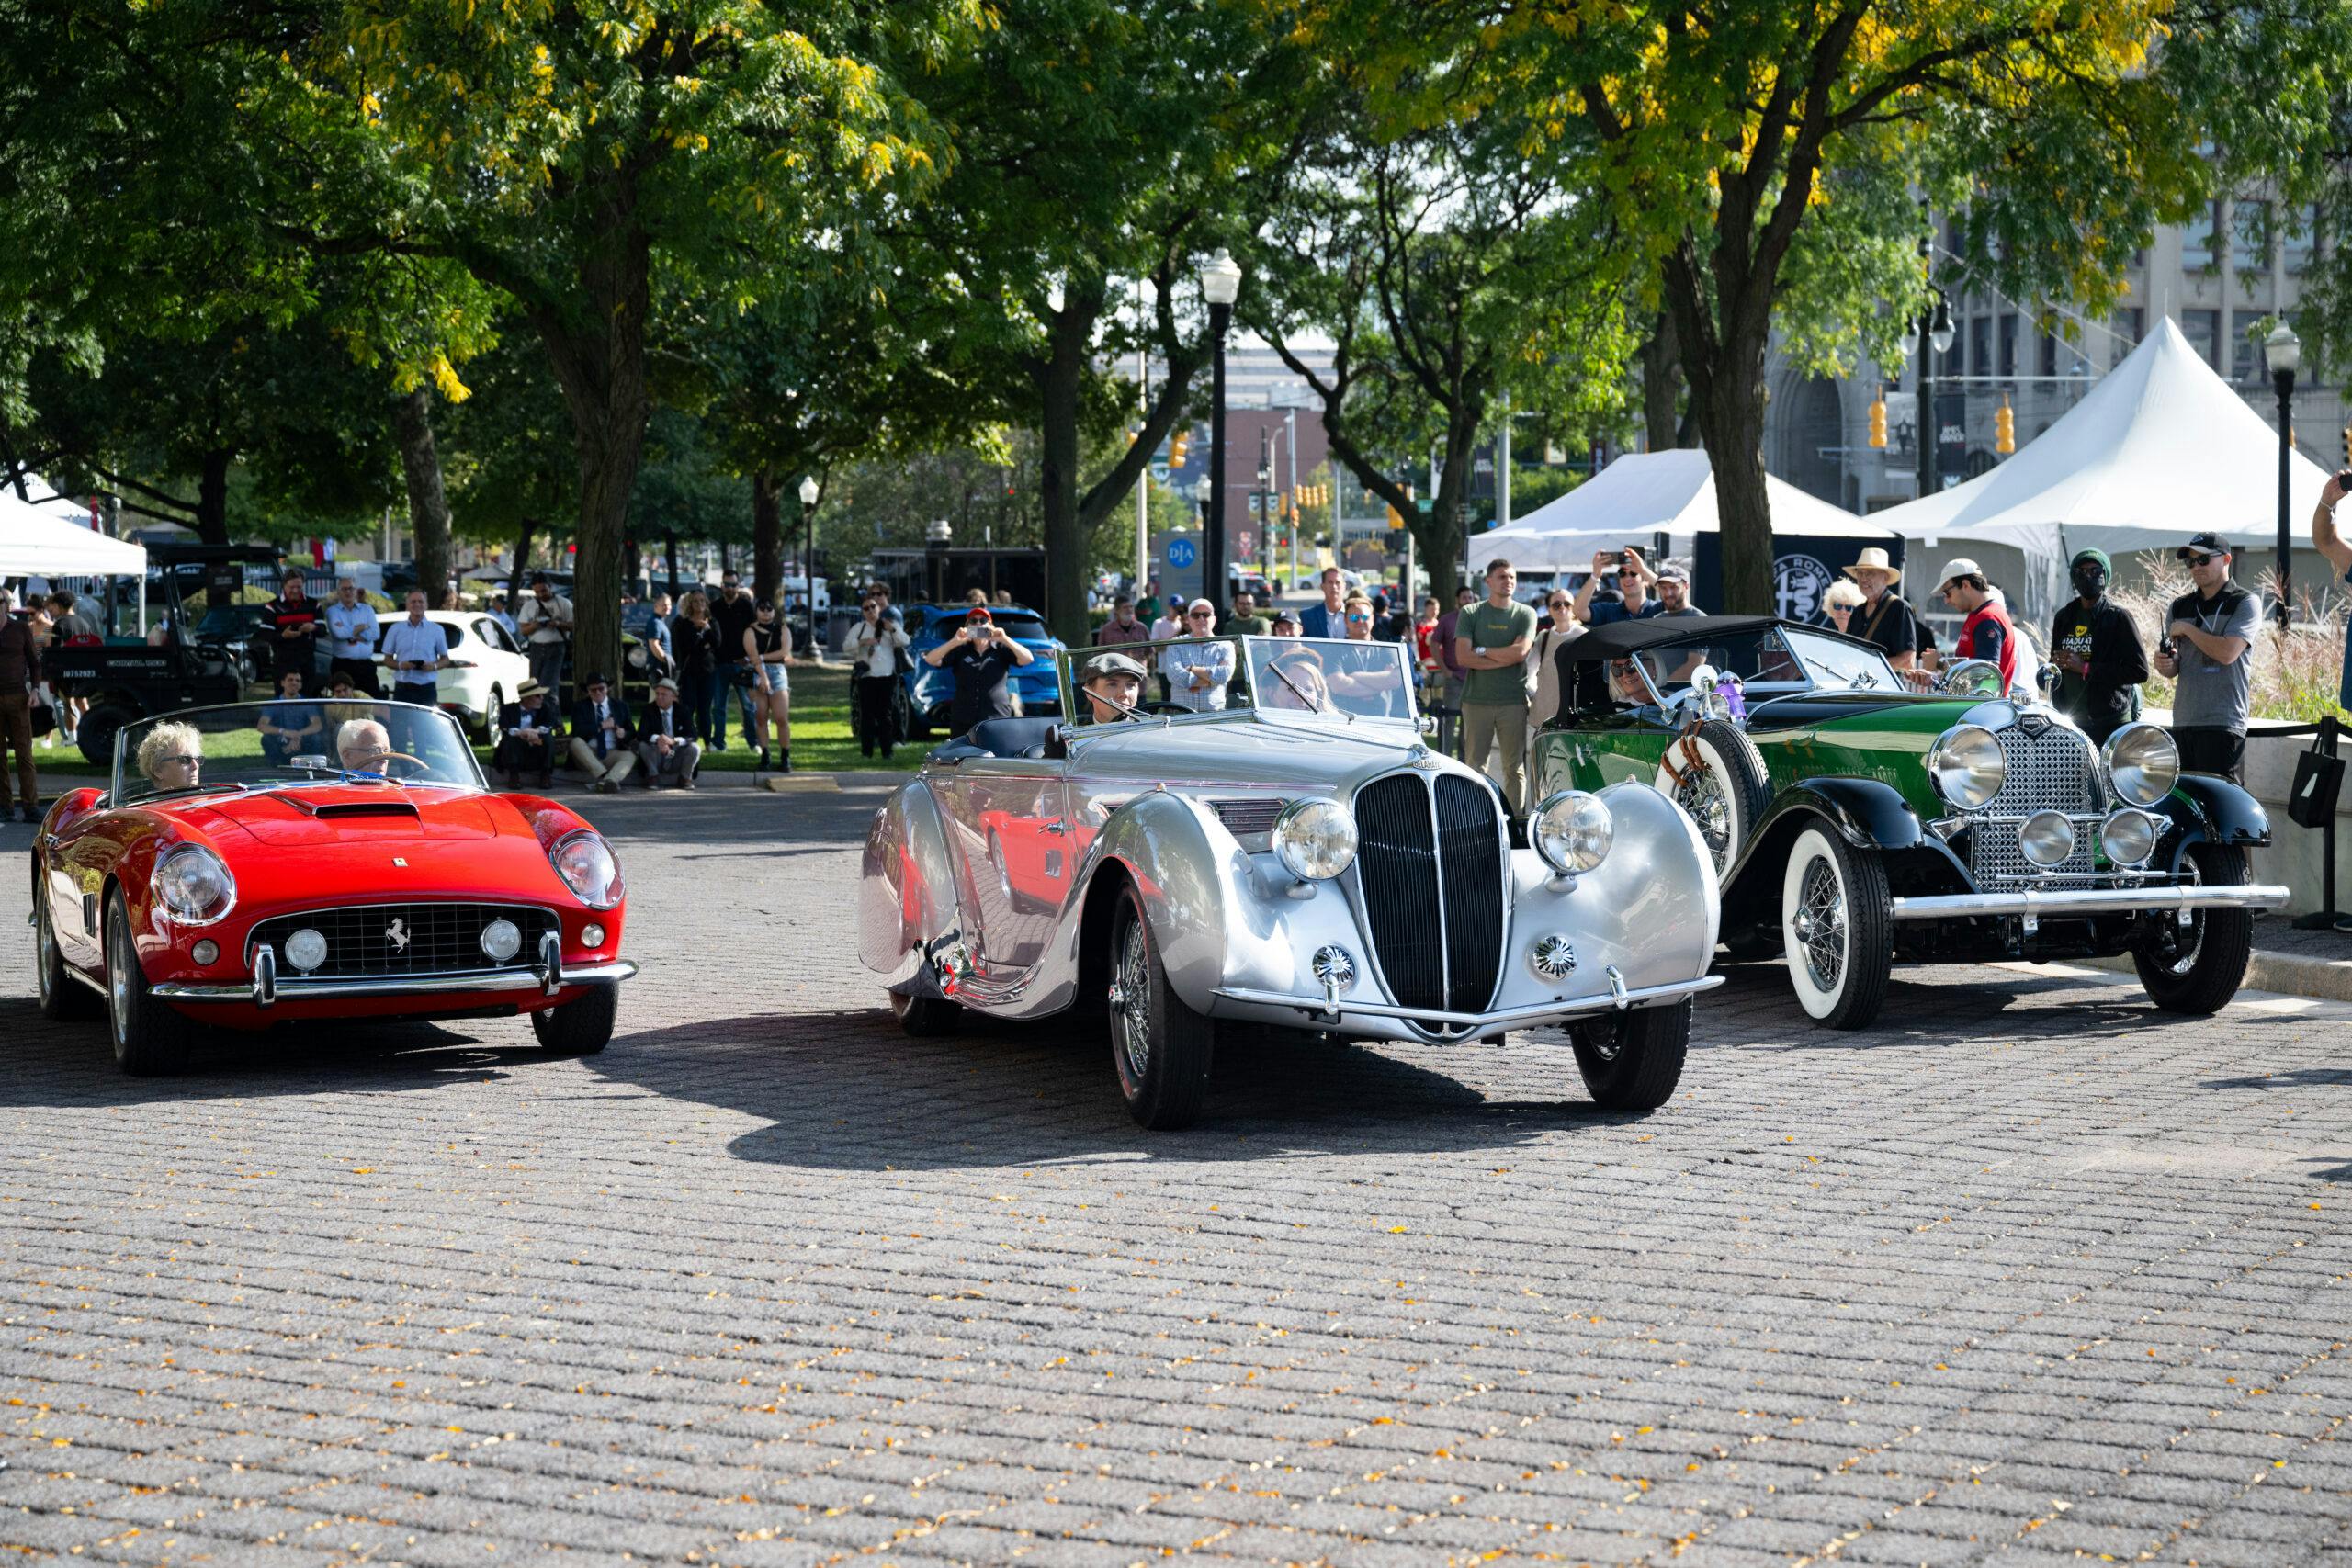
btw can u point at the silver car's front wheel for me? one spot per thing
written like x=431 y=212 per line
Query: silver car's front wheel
x=1160 y=1047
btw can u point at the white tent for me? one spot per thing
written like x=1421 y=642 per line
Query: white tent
x=2160 y=448
x=1645 y=493
x=37 y=541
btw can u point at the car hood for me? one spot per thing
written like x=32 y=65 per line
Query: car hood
x=329 y=815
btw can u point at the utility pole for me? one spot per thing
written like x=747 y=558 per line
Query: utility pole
x=1502 y=468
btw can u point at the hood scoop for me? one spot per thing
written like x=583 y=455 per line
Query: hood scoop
x=337 y=810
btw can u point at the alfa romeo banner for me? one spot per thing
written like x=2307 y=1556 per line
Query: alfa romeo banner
x=1803 y=566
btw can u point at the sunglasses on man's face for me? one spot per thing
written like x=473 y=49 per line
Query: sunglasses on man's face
x=1358 y=620
x=2202 y=560
x=1200 y=615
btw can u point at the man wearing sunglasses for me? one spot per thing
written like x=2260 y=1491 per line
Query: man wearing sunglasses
x=2208 y=634
x=1198 y=671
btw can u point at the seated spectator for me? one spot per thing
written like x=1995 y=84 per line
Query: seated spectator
x=666 y=748
x=290 y=727
x=601 y=733
x=527 y=737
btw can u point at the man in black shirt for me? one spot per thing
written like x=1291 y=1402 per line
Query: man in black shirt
x=1884 y=619
x=978 y=657
x=2097 y=649
x=734 y=613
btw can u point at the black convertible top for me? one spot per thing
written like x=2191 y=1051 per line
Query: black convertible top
x=1619 y=638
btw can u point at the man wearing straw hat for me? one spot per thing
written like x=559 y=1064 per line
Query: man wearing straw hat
x=527 y=736
x=1884 y=619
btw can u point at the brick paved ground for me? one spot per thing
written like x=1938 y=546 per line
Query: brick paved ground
x=2031 y=1273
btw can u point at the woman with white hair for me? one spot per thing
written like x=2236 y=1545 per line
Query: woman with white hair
x=170 y=756
x=1838 y=605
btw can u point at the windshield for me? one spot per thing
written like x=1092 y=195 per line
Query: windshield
x=249 y=745
x=1334 y=678
x=1782 y=656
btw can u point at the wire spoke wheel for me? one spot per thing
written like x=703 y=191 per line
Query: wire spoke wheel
x=1836 y=928
x=1821 y=925
x=1131 y=1001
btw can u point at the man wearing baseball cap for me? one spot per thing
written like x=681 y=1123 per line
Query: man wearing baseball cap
x=1113 y=684
x=1673 y=585
x=2097 y=649
x=1985 y=630
x=2208 y=634
x=977 y=658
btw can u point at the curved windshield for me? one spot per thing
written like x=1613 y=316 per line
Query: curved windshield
x=1774 y=657
x=250 y=746
x=1354 y=679
x=1335 y=678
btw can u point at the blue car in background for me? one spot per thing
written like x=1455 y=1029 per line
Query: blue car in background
x=928 y=693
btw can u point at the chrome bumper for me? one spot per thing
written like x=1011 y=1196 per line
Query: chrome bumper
x=1331 y=1012
x=2057 y=903
x=265 y=989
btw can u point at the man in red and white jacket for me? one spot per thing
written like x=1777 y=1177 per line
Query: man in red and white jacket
x=1987 y=633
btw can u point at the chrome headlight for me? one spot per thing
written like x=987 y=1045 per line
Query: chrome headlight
x=2046 y=839
x=2128 y=837
x=1572 y=831
x=1967 y=765
x=586 y=863
x=1972 y=678
x=2143 y=763
x=1316 y=839
x=195 y=886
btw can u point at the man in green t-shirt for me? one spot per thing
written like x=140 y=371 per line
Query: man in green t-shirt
x=1245 y=621
x=1490 y=643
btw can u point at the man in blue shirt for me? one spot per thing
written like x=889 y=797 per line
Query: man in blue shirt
x=1633 y=580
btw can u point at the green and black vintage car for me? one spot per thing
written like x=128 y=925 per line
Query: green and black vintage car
x=1858 y=821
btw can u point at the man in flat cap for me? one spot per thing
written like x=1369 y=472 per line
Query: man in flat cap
x=1113 y=683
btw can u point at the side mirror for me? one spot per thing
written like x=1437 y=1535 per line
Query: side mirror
x=1704 y=679
x=311 y=760
x=1972 y=678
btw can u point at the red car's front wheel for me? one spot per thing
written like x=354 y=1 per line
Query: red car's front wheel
x=150 y=1038
x=583 y=1026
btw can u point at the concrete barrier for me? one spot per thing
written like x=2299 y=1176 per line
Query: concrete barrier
x=2294 y=856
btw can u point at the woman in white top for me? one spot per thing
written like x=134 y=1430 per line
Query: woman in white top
x=877 y=652
x=1565 y=627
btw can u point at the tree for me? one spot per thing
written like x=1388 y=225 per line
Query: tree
x=1763 y=156
x=428 y=506
x=1102 y=149
x=1449 y=270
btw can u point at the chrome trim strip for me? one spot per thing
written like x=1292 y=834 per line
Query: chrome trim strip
x=2064 y=901
x=1560 y=1006
x=392 y=985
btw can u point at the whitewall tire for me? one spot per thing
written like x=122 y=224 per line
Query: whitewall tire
x=1836 y=929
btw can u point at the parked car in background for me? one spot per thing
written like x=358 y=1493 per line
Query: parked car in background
x=929 y=693
x=1857 y=822
x=1298 y=859
x=497 y=667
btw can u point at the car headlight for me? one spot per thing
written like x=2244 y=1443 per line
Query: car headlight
x=1316 y=839
x=2143 y=763
x=195 y=886
x=586 y=863
x=1967 y=765
x=2128 y=836
x=1573 y=831
x=2046 y=839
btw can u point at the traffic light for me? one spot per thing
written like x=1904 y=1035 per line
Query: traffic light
x=2004 y=428
x=1878 y=420
x=1176 y=445
x=2347 y=446
x=1396 y=520
x=1397 y=540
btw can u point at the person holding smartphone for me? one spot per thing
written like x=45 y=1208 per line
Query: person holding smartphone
x=978 y=657
x=418 y=650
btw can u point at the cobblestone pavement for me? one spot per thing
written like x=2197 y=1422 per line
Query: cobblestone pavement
x=2031 y=1273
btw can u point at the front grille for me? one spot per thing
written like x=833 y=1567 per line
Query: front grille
x=440 y=939
x=2052 y=771
x=1428 y=863
x=1244 y=818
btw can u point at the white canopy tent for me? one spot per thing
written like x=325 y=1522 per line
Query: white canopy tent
x=1646 y=493
x=2160 y=448
x=43 y=541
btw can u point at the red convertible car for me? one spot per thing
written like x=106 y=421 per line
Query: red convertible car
x=304 y=861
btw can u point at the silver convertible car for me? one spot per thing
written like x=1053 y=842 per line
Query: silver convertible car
x=1237 y=831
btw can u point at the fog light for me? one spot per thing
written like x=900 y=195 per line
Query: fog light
x=206 y=952
x=306 y=949
x=2046 y=839
x=592 y=935
x=2128 y=837
x=1335 y=966
x=501 y=940
x=1553 y=957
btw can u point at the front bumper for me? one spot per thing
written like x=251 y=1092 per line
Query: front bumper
x=2064 y=903
x=1332 y=1012
x=548 y=976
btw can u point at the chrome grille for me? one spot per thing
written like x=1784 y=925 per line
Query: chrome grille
x=1243 y=818
x=2052 y=771
x=1430 y=866
x=432 y=939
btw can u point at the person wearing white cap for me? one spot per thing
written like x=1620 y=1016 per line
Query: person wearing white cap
x=1198 y=671
x=1884 y=619
x=1985 y=630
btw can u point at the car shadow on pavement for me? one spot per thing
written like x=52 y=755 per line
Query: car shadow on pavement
x=73 y=1064
x=847 y=1089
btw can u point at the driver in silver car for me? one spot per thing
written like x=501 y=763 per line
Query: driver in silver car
x=1113 y=686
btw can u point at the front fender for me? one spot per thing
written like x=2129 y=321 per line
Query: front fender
x=907 y=897
x=1868 y=813
x=1193 y=878
x=2208 y=810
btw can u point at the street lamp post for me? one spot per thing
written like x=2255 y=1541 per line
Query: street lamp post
x=2283 y=351
x=1936 y=325
x=809 y=554
x=1220 y=285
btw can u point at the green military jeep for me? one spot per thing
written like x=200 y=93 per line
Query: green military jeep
x=1857 y=820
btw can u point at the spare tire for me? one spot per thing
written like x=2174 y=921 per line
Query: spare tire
x=1714 y=772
